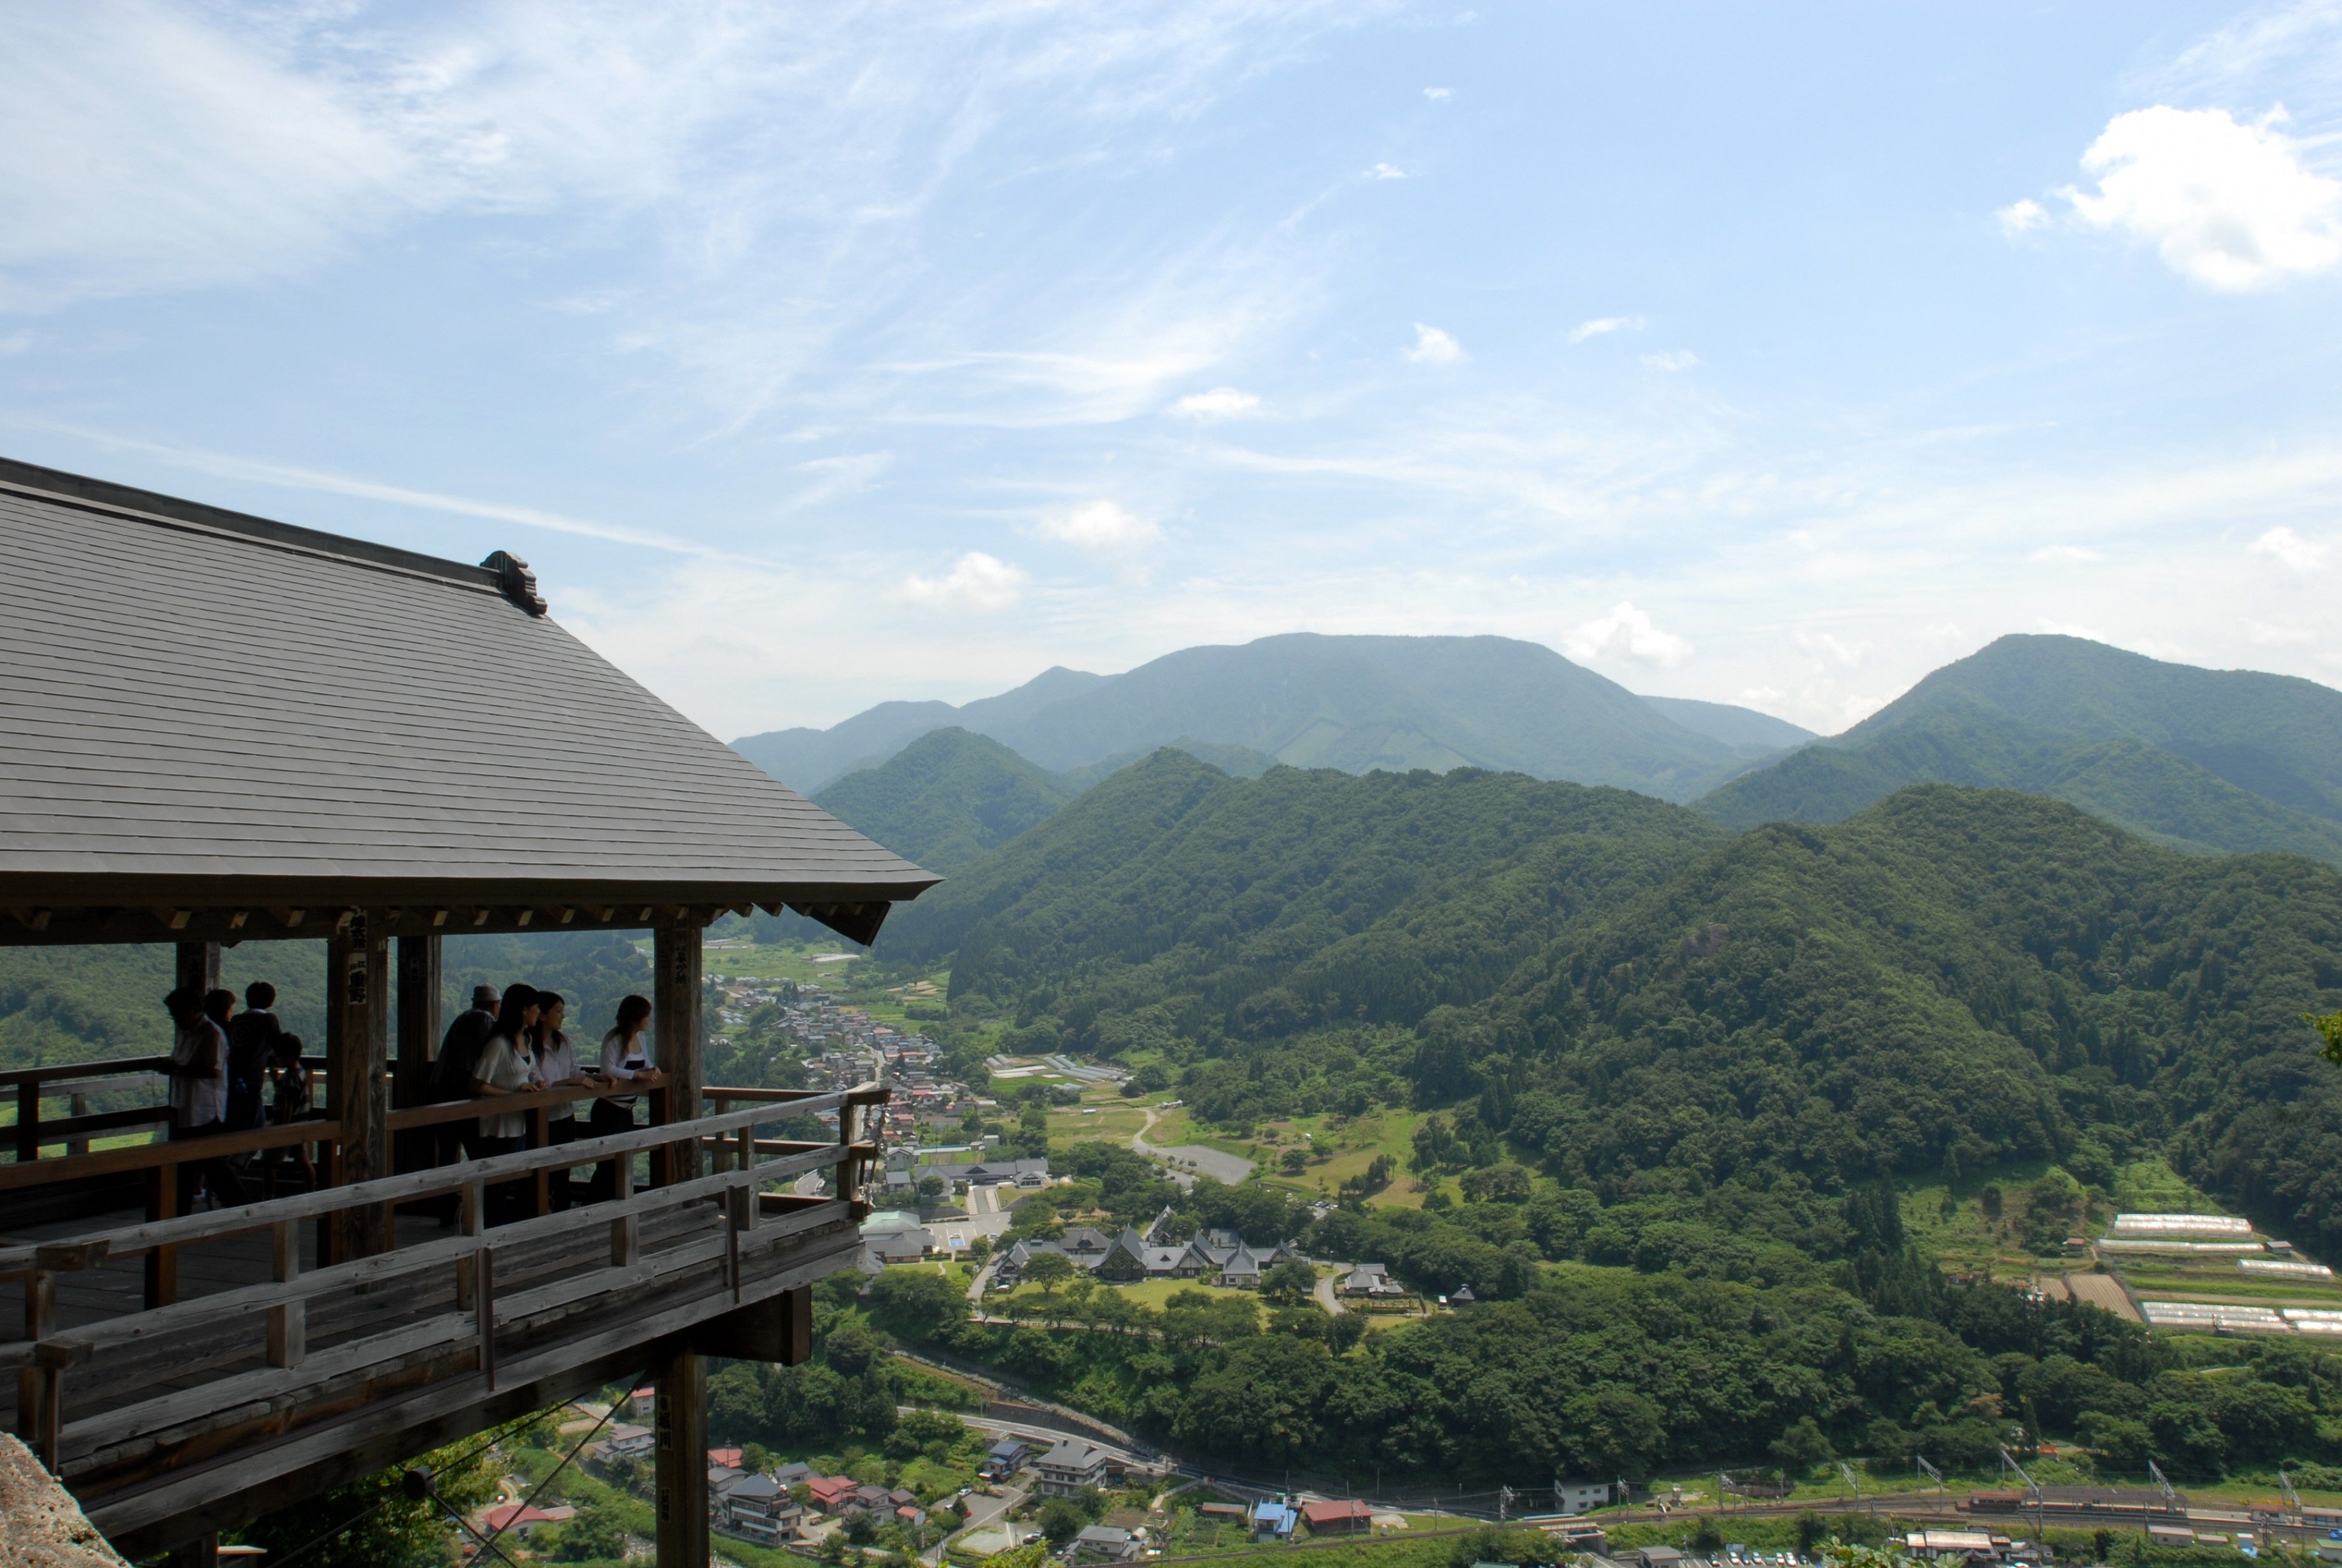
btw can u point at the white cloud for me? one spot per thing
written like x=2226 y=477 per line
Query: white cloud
x=1385 y=172
x=1101 y=528
x=1672 y=360
x=1626 y=633
x=1220 y=403
x=1835 y=648
x=976 y=581
x=2068 y=629
x=1600 y=324
x=2290 y=550
x=1433 y=346
x=1758 y=697
x=2022 y=217
x=1437 y=94
x=2064 y=555
x=2230 y=207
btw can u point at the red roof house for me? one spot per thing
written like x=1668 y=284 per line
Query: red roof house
x=1346 y=1517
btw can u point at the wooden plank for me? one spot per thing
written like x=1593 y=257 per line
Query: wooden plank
x=63 y=1071
x=385 y=1431
x=94 y=1444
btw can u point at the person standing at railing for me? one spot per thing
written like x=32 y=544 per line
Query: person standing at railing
x=289 y=1076
x=198 y=1074
x=507 y=1066
x=625 y=1058
x=451 y=1079
x=557 y=1064
x=251 y=1044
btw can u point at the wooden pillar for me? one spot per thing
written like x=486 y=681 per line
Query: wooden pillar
x=682 y=1457
x=674 y=1020
x=358 y=1069
x=199 y=966
x=418 y=1015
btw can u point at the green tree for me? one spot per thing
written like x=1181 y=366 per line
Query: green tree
x=1047 y=1270
x=1705 y=1538
x=1803 y=1446
x=1061 y=1519
x=595 y=1535
x=1289 y=1283
x=374 y=1523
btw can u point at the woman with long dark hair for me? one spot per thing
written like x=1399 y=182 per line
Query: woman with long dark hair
x=507 y=1066
x=625 y=1058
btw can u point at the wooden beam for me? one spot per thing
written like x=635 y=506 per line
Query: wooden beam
x=682 y=1461
x=357 y=1048
x=675 y=979
x=418 y=1014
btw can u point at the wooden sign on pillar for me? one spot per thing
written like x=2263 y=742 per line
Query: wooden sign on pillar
x=358 y=1067
x=199 y=965
x=675 y=1022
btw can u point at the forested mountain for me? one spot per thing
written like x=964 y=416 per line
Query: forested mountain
x=946 y=800
x=2206 y=760
x=1352 y=703
x=1603 y=983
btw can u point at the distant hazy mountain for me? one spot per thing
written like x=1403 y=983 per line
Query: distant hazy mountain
x=1742 y=729
x=947 y=799
x=1355 y=704
x=2225 y=760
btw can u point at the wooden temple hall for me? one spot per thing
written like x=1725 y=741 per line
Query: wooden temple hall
x=216 y=729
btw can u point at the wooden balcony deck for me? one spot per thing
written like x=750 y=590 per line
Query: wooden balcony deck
x=273 y=1373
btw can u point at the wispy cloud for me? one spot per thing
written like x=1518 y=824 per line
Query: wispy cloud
x=1433 y=346
x=2064 y=555
x=1437 y=94
x=1671 y=360
x=1601 y=325
x=1220 y=403
x=2021 y=216
x=1385 y=172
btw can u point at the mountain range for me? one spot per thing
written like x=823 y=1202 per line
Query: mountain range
x=2210 y=761
x=1351 y=702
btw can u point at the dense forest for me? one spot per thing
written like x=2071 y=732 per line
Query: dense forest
x=1646 y=1008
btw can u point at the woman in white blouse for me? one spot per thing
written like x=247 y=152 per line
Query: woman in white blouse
x=625 y=1058
x=507 y=1066
x=556 y=1065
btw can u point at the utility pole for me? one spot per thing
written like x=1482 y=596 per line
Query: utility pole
x=2170 y=1497
x=2032 y=1488
x=1920 y=1460
x=1504 y=1503
x=1847 y=1474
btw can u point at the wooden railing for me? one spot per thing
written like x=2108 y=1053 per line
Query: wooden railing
x=275 y=1310
x=77 y=1083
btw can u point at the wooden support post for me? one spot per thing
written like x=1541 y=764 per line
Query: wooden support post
x=682 y=1456
x=418 y=1017
x=162 y=1262
x=40 y=1322
x=625 y=1242
x=476 y=1224
x=483 y=1310
x=357 y=1052
x=288 y=1321
x=28 y=1122
x=540 y=1188
x=778 y=1329
x=675 y=1018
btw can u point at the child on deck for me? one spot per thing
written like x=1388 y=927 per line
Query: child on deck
x=289 y=1081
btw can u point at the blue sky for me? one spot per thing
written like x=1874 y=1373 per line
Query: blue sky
x=825 y=354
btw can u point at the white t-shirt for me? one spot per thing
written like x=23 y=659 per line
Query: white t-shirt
x=199 y=1102
x=625 y=1055
x=505 y=1066
x=555 y=1063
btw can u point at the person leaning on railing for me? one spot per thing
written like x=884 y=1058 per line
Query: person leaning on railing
x=198 y=1073
x=557 y=1064
x=625 y=1058
x=507 y=1066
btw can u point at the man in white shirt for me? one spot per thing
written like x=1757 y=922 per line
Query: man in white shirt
x=198 y=1072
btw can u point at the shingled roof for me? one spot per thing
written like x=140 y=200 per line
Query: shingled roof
x=205 y=708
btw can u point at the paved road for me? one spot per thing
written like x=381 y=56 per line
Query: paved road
x=1206 y=1162
x=1325 y=1297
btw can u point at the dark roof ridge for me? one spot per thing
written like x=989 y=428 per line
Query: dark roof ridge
x=56 y=485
